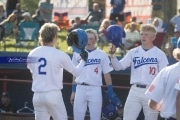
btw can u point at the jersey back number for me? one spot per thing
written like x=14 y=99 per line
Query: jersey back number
x=42 y=65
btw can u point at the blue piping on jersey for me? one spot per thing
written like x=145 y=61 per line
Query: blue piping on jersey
x=143 y=61
x=91 y=64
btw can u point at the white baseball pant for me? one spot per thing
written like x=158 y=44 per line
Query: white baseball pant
x=48 y=104
x=90 y=96
x=136 y=101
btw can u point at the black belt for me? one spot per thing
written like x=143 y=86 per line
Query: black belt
x=141 y=86
x=169 y=118
x=84 y=84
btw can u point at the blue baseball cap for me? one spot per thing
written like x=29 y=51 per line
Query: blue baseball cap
x=114 y=34
x=82 y=40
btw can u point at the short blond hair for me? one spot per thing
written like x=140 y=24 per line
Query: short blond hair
x=148 y=27
x=47 y=32
x=94 y=32
x=176 y=53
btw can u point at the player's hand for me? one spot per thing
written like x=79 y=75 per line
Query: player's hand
x=112 y=49
x=72 y=98
x=111 y=95
x=84 y=55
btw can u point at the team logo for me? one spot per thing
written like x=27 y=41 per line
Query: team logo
x=93 y=61
x=140 y=61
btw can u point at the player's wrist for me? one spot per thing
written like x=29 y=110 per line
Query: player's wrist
x=109 y=88
x=74 y=87
x=112 y=55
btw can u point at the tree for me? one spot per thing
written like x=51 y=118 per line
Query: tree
x=30 y=5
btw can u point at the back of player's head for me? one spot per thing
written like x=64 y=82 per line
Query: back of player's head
x=94 y=32
x=47 y=32
x=148 y=28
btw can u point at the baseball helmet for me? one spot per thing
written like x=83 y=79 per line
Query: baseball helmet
x=109 y=111
x=77 y=39
x=114 y=34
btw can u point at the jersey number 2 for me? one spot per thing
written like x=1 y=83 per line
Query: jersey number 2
x=43 y=60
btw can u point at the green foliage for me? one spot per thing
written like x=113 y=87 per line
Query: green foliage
x=61 y=44
x=30 y=5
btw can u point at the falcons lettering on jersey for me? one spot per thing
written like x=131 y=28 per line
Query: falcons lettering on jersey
x=140 y=61
x=93 y=61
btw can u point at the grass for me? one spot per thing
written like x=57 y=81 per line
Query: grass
x=10 y=44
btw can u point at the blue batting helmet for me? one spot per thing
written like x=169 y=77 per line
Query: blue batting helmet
x=114 y=34
x=109 y=111
x=77 y=39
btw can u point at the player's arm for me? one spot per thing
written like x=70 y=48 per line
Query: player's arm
x=111 y=95
x=114 y=60
x=70 y=67
x=177 y=87
x=107 y=78
x=123 y=63
x=73 y=90
x=178 y=105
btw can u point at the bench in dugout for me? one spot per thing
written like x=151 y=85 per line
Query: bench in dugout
x=29 y=34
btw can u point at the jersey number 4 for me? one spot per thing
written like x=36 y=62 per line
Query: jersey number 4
x=96 y=70
x=41 y=66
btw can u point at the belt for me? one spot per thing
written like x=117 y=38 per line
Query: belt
x=169 y=118
x=141 y=86
x=84 y=84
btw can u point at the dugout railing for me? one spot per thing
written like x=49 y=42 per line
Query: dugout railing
x=20 y=91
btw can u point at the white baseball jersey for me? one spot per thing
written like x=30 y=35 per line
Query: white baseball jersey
x=144 y=64
x=98 y=62
x=177 y=86
x=163 y=90
x=47 y=70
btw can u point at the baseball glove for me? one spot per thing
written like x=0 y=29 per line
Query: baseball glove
x=114 y=99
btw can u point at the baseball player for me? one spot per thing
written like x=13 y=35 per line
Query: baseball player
x=163 y=90
x=88 y=92
x=178 y=101
x=46 y=64
x=145 y=61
